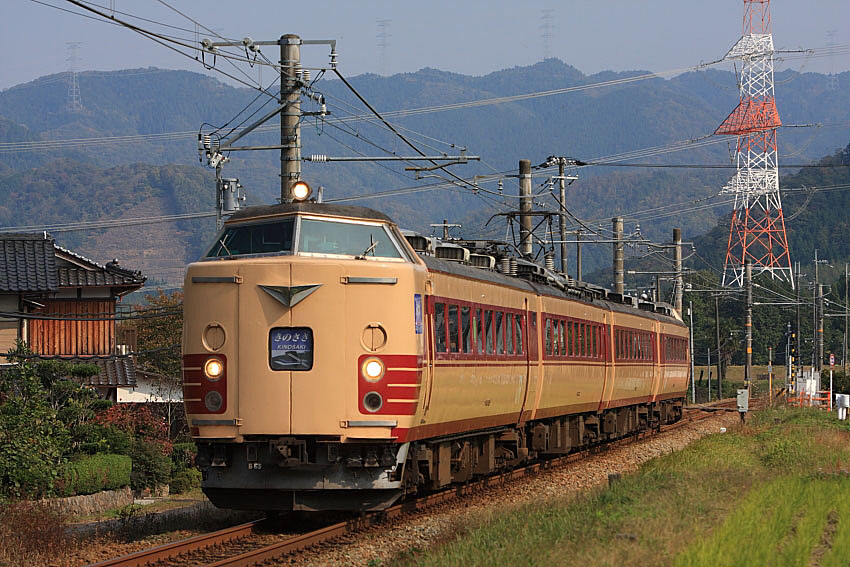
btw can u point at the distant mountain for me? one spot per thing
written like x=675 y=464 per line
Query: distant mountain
x=585 y=123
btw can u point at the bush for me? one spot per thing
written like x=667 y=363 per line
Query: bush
x=93 y=473
x=185 y=480
x=151 y=465
x=183 y=456
x=96 y=438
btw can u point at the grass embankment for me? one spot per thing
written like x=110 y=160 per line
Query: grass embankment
x=776 y=492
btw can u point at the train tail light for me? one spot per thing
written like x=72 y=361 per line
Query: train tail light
x=373 y=401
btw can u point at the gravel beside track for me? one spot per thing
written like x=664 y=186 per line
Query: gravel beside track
x=441 y=524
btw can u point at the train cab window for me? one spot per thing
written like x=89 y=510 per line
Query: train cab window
x=465 y=329
x=569 y=339
x=260 y=238
x=346 y=239
x=488 y=327
x=440 y=326
x=454 y=343
x=509 y=333
x=518 y=334
x=548 y=336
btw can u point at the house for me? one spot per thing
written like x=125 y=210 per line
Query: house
x=63 y=306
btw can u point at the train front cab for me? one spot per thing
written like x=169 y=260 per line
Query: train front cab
x=319 y=362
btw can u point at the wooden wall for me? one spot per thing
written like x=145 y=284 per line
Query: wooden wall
x=51 y=337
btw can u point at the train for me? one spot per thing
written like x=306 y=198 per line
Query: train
x=332 y=361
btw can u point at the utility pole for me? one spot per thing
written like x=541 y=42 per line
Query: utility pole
x=619 y=253
x=525 y=244
x=717 y=343
x=748 y=274
x=691 y=349
x=677 y=267
x=290 y=118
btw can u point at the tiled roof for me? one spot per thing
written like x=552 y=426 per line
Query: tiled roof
x=114 y=370
x=27 y=262
x=78 y=277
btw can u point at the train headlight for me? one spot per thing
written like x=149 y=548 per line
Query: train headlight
x=300 y=191
x=373 y=369
x=373 y=402
x=213 y=368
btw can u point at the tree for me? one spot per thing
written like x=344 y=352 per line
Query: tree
x=158 y=337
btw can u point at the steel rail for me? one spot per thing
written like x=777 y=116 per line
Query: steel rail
x=175 y=548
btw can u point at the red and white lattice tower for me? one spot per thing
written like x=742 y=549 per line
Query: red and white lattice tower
x=757 y=233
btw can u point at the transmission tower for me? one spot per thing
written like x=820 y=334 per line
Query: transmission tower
x=757 y=231
x=546 y=28
x=383 y=37
x=75 y=102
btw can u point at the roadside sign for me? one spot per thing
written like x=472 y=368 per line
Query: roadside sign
x=831 y=360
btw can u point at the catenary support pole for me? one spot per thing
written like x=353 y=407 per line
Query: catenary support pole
x=525 y=244
x=290 y=118
x=717 y=344
x=708 y=371
x=619 y=253
x=677 y=267
x=562 y=214
x=691 y=349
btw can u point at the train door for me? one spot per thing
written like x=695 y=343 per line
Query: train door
x=428 y=378
x=534 y=369
x=657 y=374
x=609 y=368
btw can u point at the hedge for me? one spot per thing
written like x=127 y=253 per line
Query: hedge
x=92 y=473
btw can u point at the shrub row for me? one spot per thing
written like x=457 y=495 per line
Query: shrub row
x=92 y=473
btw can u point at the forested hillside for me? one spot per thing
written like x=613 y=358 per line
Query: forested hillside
x=168 y=107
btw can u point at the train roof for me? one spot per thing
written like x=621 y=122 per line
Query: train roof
x=574 y=294
x=349 y=211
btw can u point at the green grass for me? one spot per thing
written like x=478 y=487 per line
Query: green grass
x=774 y=493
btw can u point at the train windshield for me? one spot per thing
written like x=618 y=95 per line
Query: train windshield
x=346 y=238
x=261 y=238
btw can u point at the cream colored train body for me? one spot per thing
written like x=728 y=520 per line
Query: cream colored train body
x=328 y=365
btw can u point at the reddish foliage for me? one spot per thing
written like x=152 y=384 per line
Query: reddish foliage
x=139 y=421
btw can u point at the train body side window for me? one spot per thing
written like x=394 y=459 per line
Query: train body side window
x=479 y=331
x=500 y=332
x=518 y=322
x=509 y=333
x=548 y=336
x=440 y=326
x=488 y=326
x=454 y=344
x=466 y=332
x=593 y=330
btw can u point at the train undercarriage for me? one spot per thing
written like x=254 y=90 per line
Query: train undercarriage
x=285 y=473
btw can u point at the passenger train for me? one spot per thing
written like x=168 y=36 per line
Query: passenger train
x=333 y=362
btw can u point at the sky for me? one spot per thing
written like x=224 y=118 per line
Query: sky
x=470 y=37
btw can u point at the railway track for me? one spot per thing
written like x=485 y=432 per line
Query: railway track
x=247 y=544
